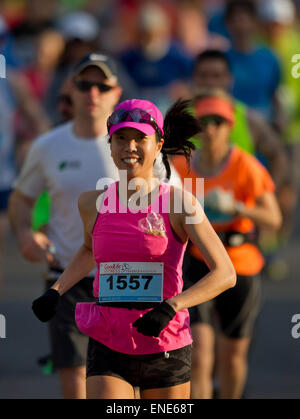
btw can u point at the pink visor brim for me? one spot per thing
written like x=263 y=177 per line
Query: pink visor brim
x=145 y=128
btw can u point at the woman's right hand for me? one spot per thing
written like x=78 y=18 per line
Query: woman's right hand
x=45 y=306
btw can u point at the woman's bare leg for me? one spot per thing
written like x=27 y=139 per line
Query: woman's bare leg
x=108 y=387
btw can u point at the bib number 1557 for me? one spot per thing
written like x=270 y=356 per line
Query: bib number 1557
x=134 y=282
x=130 y=281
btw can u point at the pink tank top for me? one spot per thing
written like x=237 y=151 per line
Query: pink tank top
x=118 y=237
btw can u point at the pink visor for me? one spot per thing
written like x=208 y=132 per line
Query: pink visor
x=142 y=115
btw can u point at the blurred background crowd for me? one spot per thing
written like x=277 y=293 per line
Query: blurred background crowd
x=156 y=44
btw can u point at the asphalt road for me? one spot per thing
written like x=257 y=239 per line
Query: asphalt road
x=274 y=359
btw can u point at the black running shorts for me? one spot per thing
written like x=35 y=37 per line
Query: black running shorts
x=234 y=311
x=164 y=369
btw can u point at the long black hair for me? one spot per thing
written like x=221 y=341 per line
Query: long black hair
x=179 y=127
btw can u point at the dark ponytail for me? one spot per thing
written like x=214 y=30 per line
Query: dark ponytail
x=166 y=163
x=179 y=127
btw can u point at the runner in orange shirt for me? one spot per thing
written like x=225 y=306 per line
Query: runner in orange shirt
x=238 y=196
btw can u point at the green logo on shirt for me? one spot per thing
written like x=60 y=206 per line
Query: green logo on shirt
x=69 y=165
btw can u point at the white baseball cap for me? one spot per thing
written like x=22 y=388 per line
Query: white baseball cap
x=106 y=63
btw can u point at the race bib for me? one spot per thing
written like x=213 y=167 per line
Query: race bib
x=131 y=281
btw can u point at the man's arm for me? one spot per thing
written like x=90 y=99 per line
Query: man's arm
x=19 y=212
x=32 y=245
x=267 y=142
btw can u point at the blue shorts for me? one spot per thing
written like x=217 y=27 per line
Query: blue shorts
x=4 y=195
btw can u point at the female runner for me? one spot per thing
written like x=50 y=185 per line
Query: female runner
x=136 y=236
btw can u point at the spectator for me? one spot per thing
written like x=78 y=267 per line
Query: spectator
x=38 y=75
x=80 y=31
x=255 y=68
x=278 y=18
x=157 y=64
x=279 y=27
x=192 y=30
x=49 y=47
x=35 y=20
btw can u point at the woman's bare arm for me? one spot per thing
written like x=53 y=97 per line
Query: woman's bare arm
x=83 y=261
x=222 y=274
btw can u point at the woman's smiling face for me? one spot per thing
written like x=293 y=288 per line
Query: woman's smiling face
x=134 y=151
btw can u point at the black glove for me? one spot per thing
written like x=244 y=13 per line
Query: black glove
x=154 y=321
x=44 y=307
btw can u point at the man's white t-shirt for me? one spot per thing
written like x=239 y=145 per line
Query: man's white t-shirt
x=66 y=166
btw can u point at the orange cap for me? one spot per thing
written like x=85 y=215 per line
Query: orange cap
x=215 y=106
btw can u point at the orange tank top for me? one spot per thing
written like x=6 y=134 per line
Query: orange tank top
x=247 y=179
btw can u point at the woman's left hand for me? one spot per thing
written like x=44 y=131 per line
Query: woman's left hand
x=154 y=321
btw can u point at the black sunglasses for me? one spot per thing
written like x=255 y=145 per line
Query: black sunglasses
x=211 y=120
x=85 y=86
